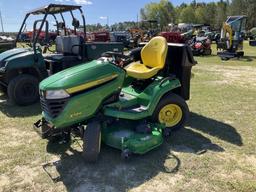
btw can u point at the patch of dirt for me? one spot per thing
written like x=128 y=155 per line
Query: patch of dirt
x=250 y=160
x=157 y=184
x=196 y=184
x=4 y=181
x=182 y=148
x=25 y=174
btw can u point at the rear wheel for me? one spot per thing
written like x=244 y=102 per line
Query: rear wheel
x=172 y=111
x=91 y=141
x=23 y=89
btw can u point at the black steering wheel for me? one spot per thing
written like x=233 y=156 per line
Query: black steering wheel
x=118 y=58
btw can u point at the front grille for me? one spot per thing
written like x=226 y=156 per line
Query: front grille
x=53 y=107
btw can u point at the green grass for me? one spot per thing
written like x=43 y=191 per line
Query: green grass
x=214 y=152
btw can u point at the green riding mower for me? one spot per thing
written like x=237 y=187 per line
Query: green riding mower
x=129 y=102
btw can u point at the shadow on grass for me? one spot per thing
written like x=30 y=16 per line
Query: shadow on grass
x=247 y=58
x=110 y=172
x=188 y=141
x=12 y=110
x=215 y=128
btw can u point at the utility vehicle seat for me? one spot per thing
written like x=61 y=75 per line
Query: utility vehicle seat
x=153 y=56
x=67 y=48
x=68 y=45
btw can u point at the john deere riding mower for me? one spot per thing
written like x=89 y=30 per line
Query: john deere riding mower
x=128 y=102
x=21 y=69
x=231 y=42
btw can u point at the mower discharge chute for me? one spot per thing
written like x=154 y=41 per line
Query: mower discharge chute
x=231 y=42
x=128 y=102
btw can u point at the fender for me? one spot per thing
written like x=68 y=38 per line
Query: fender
x=24 y=61
x=149 y=98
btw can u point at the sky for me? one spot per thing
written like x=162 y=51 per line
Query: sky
x=96 y=11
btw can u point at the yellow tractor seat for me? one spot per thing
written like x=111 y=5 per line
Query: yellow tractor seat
x=153 y=56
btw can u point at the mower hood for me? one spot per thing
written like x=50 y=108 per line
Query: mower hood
x=77 y=78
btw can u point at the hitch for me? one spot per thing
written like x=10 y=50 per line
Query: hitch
x=42 y=128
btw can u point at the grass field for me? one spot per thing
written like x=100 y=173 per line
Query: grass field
x=216 y=151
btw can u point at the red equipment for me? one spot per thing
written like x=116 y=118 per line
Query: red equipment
x=201 y=46
x=100 y=36
x=173 y=37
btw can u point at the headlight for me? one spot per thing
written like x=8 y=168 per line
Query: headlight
x=56 y=94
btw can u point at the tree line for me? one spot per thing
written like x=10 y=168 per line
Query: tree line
x=213 y=13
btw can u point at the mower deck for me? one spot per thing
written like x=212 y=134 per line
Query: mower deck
x=131 y=137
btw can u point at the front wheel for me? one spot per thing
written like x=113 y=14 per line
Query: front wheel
x=92 y=141
x=172 y=111
x=23 y=90
x=3 y=89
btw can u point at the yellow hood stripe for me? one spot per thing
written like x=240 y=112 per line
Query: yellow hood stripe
x=90 y=84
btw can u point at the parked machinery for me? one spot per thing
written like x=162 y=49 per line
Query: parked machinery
x=200 y=45
x=231 y=42
x=6 y=43
x=22 y=69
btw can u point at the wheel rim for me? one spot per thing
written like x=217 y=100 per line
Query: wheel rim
x=28 y=90
x=170 y=115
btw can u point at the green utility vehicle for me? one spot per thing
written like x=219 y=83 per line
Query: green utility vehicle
x=128 y=102
x=22 y=69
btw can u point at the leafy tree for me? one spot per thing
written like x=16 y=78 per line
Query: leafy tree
x=187 y=15
x=221 y=14
x=163 y=12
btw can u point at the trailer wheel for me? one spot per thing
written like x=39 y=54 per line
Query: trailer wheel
x=23 y=89
x=172 y=111
x=91 y=141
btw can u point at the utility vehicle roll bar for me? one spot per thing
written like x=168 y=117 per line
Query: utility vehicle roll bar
x=52 y=9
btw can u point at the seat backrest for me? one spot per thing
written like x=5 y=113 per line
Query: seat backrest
x=68 y=44
x=154 y=52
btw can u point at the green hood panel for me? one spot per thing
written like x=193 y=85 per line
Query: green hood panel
x=98 y=80
x=80 y=75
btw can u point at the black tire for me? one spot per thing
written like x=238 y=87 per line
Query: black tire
x=23 y=90
x=208 y=52
x=224 y=58
x=3 y=89
x=168 y=99
x=91 y=141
